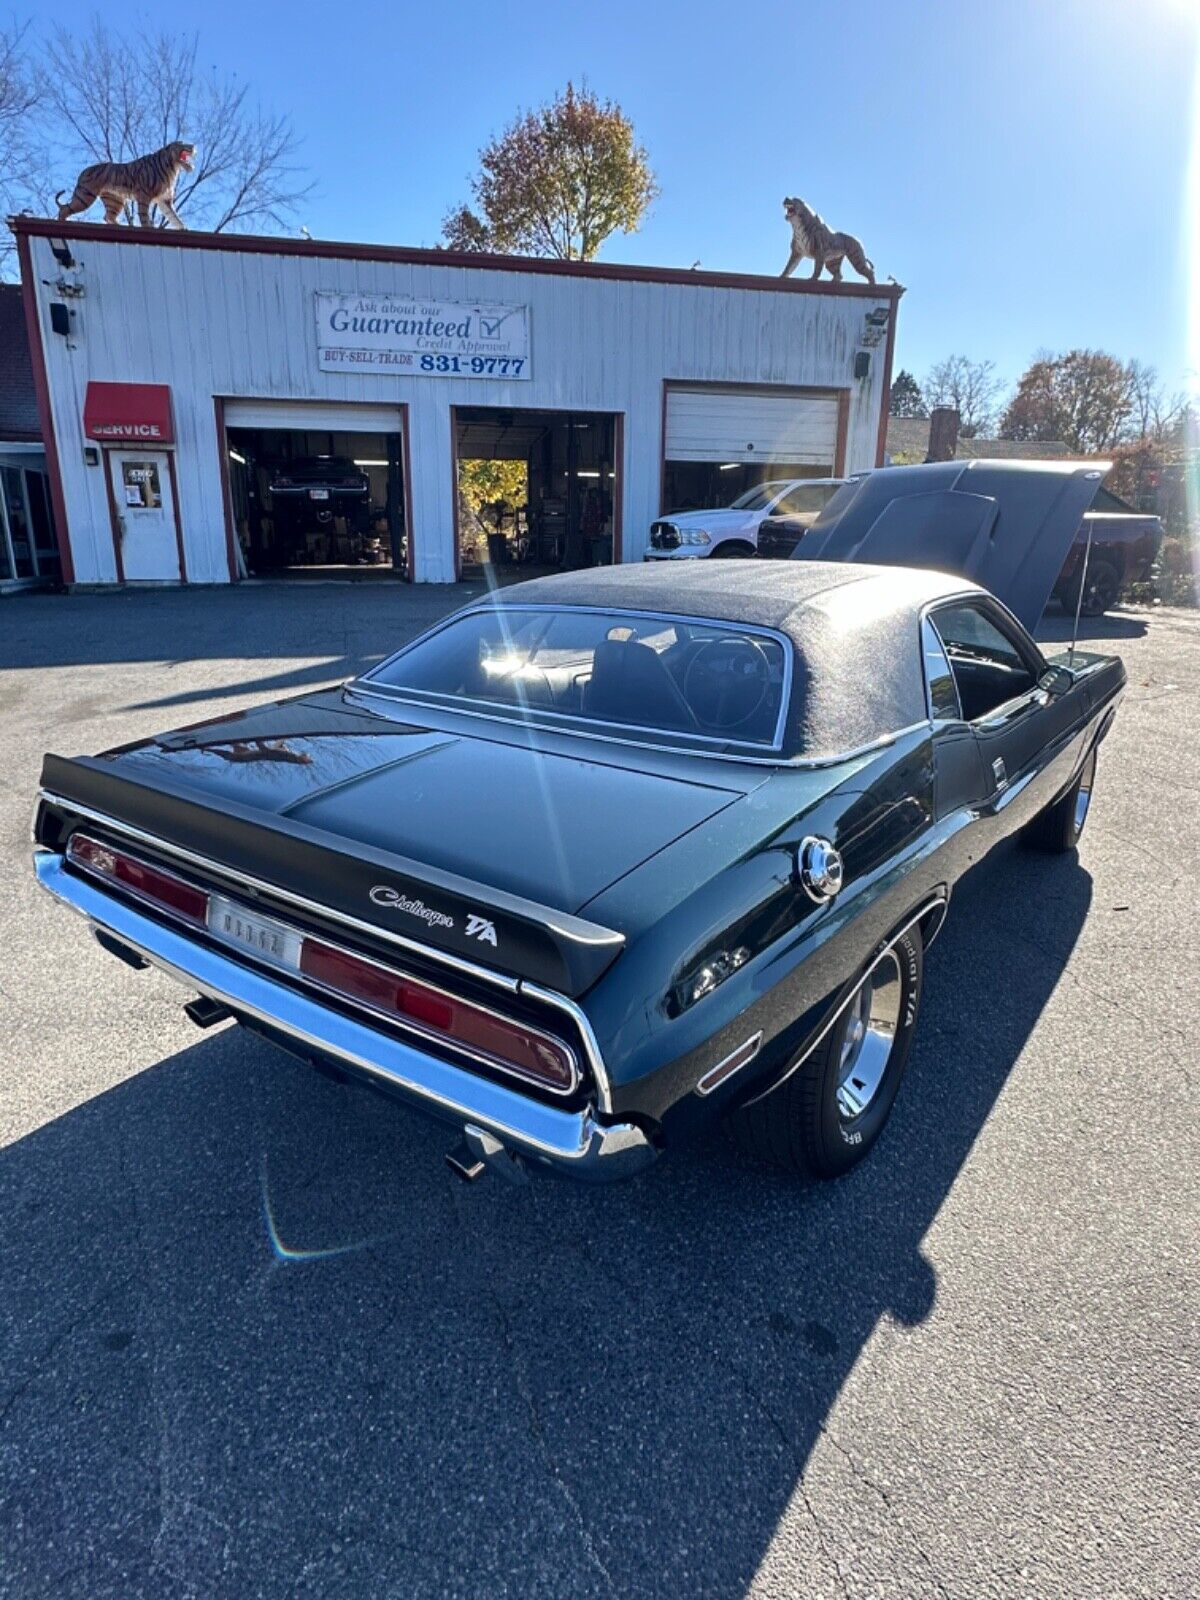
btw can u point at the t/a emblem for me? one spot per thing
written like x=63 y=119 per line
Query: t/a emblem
x=480 y=928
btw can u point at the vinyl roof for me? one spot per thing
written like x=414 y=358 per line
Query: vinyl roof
x=854 y=629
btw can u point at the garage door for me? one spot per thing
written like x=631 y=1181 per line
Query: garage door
x=305 y=415
x=733 y=425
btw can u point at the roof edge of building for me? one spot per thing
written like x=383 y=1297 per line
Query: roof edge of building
x=403 y=255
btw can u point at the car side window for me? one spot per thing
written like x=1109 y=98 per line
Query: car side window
x=939 y=678
x=808 y=499
x=988 y=665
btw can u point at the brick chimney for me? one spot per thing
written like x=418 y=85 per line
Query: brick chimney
x=943 y=433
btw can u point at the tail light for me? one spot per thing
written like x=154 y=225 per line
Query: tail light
x=501 y=1042
x=512 y=1046
x=161 y=888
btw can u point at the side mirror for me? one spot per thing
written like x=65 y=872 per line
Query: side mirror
x=1056 y=681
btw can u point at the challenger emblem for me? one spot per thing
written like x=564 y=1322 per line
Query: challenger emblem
x=384 y=895
x=480 y=928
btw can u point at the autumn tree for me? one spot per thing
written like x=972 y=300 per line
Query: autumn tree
x=970 y=387
x=108 y=96
x=482 y=483
x=1083 y=397
x=906 y=398
x=557 y=182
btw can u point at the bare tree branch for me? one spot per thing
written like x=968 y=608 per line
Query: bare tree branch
x=106 y=96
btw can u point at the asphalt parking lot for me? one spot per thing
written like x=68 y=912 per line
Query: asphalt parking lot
x=255 y=1340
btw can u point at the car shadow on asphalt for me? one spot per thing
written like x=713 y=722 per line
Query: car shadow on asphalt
x=258 y=1340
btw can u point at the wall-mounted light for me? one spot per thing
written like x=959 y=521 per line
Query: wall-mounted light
x=61 y=252
x=91 y=456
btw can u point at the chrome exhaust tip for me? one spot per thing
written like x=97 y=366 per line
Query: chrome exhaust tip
x=479 y=1151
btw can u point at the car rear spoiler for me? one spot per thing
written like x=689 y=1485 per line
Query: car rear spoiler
x=405 y=900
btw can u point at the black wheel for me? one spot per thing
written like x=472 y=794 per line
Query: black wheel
x=730 y=552
x=1058 y=827
x=1100 y=592
x=823 y=1119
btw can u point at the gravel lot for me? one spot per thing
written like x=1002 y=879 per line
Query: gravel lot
x=256 y=1340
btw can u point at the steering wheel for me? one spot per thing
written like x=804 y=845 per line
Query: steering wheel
x=727 y=681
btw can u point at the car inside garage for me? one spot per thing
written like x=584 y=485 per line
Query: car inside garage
x=538 y=491
x=317 y=491
x=719 y=442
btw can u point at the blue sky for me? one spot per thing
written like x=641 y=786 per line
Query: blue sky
x=1020 y=165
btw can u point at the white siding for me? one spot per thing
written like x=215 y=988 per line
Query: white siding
x=728 y=425
x=231 y=323
x=308 y=414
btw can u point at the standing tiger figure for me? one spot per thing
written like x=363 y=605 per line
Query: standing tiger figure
x=812 y=237
x=148 y=181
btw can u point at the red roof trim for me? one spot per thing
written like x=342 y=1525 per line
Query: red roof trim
x=328 y=249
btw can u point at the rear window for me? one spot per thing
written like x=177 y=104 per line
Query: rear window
x=654 y=675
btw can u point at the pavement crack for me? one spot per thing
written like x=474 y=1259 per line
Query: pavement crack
x=798 y=1463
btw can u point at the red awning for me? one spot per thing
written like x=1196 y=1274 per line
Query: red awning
x=128 y=413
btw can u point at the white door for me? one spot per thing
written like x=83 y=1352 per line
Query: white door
x=141 y=482
x=750 y=427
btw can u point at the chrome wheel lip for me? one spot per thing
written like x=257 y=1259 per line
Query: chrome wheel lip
x=867 y=1038
x=1083 y=794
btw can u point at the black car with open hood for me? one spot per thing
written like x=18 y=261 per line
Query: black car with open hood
x=607 y=854
x=1006 y=525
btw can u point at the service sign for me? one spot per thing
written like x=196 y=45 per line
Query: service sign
x=421 y=338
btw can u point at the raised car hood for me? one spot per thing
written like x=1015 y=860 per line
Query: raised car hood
x=1006 y=525
x=330 y=801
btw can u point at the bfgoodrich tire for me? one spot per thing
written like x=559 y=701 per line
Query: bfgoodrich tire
x=824 y=1118
x=1057 y=829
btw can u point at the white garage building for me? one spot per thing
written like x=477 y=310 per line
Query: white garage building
x=216 y=406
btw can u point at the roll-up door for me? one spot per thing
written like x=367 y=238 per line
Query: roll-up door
x=340 y=417
x=756 y=426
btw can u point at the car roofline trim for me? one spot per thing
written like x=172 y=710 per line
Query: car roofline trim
x=485 y=608
x=456 y=963
x=792 y=763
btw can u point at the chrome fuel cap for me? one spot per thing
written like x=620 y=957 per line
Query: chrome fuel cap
x=820 y=869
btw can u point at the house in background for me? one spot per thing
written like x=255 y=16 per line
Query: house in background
x=908 y=445
x=28 y=547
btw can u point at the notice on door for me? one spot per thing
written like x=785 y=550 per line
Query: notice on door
x=421 y=338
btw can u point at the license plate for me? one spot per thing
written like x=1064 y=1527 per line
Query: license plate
x=262 y=936
x=318 y=494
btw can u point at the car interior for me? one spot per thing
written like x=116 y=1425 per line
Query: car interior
x=988 y=665
x=640 y=671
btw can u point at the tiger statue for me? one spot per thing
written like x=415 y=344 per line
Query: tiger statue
x=812 y=237
x=148 y=181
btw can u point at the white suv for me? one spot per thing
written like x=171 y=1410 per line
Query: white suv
x=733 y=530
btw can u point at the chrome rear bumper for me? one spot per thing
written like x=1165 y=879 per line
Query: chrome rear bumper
x=574 y=1142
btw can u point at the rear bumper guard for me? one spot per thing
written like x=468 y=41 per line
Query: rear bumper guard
x=574 y=1142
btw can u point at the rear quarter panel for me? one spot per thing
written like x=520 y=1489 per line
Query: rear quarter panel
x=732 y=886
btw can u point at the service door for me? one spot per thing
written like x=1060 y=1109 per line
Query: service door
x=145 y=513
